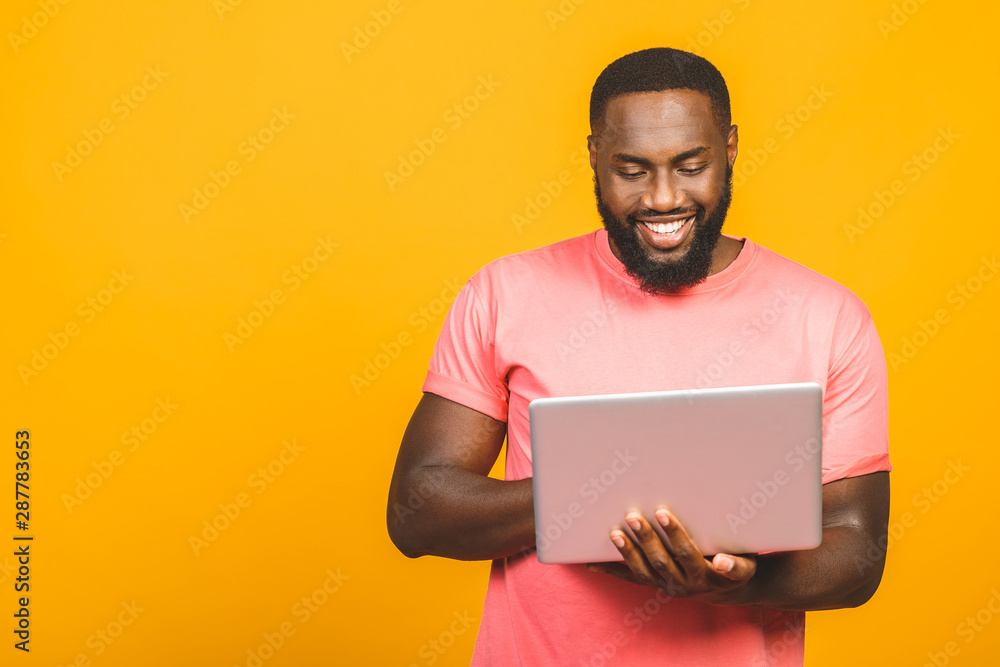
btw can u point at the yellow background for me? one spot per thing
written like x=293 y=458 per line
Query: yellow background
x=892 y=88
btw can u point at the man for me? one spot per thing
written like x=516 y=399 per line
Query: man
x=666 y=301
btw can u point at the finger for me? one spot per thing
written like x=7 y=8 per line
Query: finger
x=736 y=568
x=688 y=557
x=634 y=559
x=641 y=576
x=655 y=553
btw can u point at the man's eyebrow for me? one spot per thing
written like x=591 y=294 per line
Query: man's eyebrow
x=688 y=154
x=680 y=157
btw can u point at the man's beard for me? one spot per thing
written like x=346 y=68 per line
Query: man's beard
x=658 y=277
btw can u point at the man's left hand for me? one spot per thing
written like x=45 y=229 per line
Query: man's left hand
x=678 y=567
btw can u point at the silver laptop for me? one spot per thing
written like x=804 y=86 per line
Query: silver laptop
x=740 y=467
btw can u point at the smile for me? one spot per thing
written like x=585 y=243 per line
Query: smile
x=667 y=227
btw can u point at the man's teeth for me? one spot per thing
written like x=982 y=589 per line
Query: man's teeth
x=665 y=228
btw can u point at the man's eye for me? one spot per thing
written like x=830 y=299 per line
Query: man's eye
x=630 y=175
x=690 y=171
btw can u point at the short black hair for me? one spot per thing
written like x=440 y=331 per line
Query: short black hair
x=655 y=70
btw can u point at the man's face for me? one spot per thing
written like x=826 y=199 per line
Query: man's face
x=663 y=180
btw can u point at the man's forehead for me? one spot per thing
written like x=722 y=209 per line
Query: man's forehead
x=670 y=117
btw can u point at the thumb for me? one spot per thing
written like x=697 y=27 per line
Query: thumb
x=737 y=568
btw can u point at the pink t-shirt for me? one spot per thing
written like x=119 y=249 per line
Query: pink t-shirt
x=567 y=320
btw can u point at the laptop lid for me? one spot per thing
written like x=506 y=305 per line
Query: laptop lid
x=740 y=467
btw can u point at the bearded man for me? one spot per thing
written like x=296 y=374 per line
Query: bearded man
x=666 y=295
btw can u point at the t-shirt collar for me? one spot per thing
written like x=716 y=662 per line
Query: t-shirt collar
x=713 y=282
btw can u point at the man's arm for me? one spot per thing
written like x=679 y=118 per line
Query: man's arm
x=843 y=571
x=442 y=501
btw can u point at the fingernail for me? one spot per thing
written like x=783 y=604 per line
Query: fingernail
x=633 y=521
x=618 y=539
x=724 y=563
x=663 y=518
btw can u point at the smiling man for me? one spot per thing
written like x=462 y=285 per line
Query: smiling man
x=667 y=162
x=658 y=299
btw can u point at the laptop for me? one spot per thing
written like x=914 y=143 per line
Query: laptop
x=740 y=467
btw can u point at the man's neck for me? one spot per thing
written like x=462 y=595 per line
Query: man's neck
x=725 y=253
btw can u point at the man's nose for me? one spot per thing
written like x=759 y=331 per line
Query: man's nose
x=662 y=195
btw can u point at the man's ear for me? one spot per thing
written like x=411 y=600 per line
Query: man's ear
x=592 y=147
x=731 y=145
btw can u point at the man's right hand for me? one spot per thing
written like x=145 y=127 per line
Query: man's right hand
x=442 y=501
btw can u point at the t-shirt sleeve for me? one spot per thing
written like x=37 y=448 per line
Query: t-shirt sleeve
x=856 y=410
x=463 y=367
